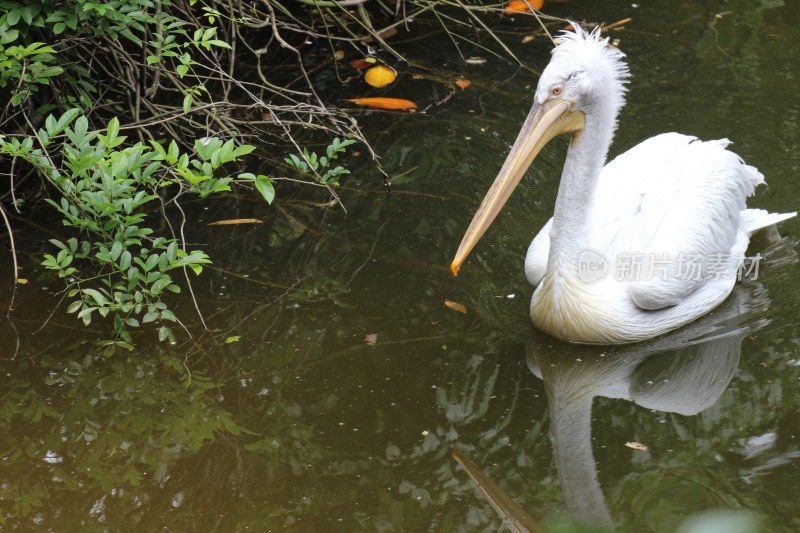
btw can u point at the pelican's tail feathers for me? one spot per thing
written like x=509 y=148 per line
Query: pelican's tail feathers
x=752 y=220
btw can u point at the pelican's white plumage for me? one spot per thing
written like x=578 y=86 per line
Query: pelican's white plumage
x=673 y=201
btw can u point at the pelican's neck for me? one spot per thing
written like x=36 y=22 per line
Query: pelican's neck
x=570 y=433
x=586 y=156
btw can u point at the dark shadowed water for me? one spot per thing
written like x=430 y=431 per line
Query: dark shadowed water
x=338 y=407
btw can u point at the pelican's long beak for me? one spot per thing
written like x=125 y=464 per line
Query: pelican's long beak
x=543 y=123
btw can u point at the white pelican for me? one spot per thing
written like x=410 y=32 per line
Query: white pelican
x=635 y=248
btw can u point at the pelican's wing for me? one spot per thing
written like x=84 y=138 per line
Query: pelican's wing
x=677 y=196
x=538 y=253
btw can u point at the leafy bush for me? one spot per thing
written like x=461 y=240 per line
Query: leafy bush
x=117 y=266
x=23 y=68
x=140 y=63
x=319 y=167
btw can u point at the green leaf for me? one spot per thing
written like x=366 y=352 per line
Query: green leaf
x=221 y=44
x=86 y=315
x=149 y=317
x=208 y=34
x=297 y=163
x=265 y=187
x=65 y=119
x=187 y=102
x=232 y=338
x=159 y=149
x=173 y=153
x=116 y=250
x=164 y=333
x=13 y=17
x=8 y=36
x=96 y=296
x=50 y=124
x=243 y=150
x=160 y=284
x=125 y=260
x=150 y=263
x=113 y=128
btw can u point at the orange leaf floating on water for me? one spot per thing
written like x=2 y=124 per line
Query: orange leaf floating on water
x=384 y=103
x=455 y=306
x=233 y=221
x=518 y=6
x=463 y=83
x=380 y=76
x=636 y=446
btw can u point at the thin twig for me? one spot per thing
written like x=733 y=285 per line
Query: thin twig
x=13 y=257
x=185 y=269
x=541 y=23
x=490 y=32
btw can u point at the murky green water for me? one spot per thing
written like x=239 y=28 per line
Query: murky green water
x=337 y=409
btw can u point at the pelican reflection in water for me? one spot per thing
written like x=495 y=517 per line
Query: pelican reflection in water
x=683 y=372
x=672 y=199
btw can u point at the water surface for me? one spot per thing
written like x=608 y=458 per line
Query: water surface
x=338 y=407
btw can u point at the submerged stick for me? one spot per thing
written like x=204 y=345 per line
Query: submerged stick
x=514 y=516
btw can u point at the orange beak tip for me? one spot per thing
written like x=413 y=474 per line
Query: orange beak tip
x=454 y=267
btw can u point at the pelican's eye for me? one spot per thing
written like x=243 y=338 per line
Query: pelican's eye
x=557 y=90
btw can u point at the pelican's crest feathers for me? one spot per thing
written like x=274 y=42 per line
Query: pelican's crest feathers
x=600 y=66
